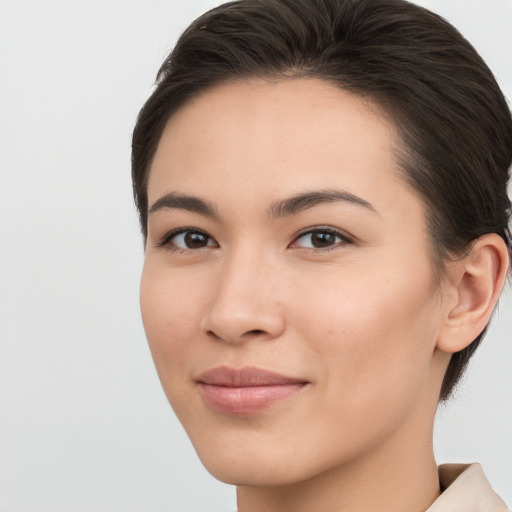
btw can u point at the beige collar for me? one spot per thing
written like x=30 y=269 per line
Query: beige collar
x=467 y=490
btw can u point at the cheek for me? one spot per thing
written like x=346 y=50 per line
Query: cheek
x=171 y=308
x=375 y=337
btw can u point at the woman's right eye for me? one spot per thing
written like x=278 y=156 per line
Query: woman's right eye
x=188 y=239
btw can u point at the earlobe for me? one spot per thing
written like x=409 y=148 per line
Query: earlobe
x=476 y=283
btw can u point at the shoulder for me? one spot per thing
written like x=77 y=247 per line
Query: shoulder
x=466 y=489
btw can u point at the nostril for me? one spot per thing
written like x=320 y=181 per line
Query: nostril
x=255 y=332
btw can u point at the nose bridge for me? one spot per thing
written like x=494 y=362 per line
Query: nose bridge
x=245 y=303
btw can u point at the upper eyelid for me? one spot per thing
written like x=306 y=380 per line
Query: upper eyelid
x=329 y=229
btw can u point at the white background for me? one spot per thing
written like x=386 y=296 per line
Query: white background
x=84 y=425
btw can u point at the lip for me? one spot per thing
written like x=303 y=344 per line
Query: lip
x=247 y=390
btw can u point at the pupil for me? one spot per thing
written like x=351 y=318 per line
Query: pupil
x=195 y=240
x=323 y=239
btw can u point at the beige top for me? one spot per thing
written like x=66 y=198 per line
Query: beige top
x=466 y=490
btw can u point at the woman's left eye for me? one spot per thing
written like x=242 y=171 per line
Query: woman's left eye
x=320 y=239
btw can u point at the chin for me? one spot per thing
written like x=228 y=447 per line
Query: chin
x=251 y=466
x=253 y=473
x=262 y=463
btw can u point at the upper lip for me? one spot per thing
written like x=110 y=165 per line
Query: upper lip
x=245 y=377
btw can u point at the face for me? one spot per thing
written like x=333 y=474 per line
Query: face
x=287 y=294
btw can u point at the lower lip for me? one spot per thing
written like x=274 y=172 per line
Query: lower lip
x=248 y=399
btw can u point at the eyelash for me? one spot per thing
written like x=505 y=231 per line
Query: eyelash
x=166 y=241
x=344 y=239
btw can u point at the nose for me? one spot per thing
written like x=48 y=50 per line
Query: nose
x=245 y=303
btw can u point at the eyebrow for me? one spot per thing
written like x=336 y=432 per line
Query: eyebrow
x=304 y=201
x=282 y=208
x=174 y=200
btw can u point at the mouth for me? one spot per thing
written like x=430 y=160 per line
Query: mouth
x=247 y=390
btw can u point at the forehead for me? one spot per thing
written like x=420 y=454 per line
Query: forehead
x=275 y=139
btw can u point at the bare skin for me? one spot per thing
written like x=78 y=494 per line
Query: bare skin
x=333 y=289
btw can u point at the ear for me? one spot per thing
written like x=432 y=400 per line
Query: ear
x=474 y=285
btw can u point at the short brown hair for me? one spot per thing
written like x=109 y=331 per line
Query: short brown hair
x=454 y=121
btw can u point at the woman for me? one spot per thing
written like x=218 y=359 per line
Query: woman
x=322 y=188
